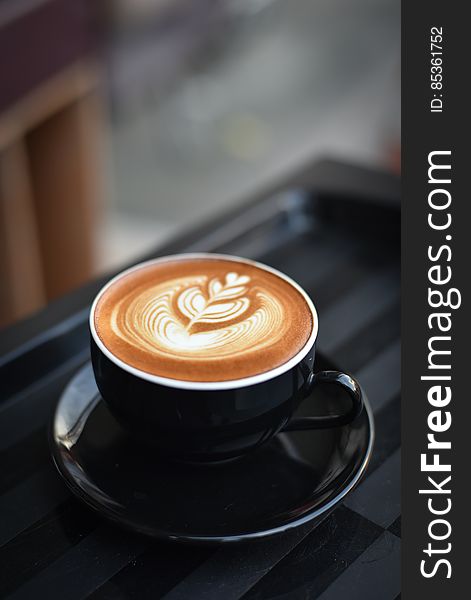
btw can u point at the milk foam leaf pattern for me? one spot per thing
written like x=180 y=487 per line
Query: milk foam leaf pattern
x=161 y=318
x=215 y=308
x=208 y=313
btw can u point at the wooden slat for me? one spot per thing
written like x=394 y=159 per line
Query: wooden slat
x=21 y=285
x=51 y=95
x=64 y=156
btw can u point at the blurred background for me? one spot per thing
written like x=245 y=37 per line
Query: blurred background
x=123 y=122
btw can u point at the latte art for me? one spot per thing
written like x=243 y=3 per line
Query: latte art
x=195 y=317
x=203 y=320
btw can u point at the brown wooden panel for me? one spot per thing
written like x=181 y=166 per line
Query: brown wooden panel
x=21 y=284
x=64 y=153
x=42 y=102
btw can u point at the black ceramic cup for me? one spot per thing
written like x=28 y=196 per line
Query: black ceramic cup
x=214 y=421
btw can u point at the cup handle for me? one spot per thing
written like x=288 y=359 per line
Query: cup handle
x=346 y=382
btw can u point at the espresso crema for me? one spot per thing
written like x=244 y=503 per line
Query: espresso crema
x=203 y=319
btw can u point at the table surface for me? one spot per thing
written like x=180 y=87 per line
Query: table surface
x=341 y=242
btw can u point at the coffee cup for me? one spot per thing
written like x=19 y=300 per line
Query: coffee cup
x=207 y=356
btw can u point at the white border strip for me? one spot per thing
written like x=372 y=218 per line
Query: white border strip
x=207 y=385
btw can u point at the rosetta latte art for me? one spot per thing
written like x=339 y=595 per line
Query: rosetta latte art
x=200 y=317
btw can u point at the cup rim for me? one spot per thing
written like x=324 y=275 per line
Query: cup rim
x=206 y=385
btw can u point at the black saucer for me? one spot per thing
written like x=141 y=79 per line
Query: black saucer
x=293 y=479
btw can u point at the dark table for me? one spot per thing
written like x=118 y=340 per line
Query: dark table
x=338 y=235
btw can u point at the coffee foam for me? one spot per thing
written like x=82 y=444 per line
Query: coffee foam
x=203 y=319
